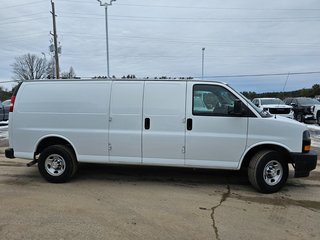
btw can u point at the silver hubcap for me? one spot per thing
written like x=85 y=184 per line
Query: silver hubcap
x=272 y=173
x=55 y=165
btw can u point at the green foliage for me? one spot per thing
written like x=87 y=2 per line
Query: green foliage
x=5 y=95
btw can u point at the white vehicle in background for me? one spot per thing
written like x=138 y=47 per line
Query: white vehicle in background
x=316 y=110
x=274 y=106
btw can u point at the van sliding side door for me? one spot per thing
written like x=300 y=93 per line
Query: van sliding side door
x=164 y=126
x=125 y=123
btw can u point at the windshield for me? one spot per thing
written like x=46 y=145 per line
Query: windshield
x=261 y=112
x=307 y=101
x=271 y=101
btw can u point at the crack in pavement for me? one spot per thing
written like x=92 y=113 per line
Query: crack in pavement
x=223 y=199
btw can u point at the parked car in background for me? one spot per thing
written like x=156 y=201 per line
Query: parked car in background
x=305 y=109
x=6 y=108
x=274 y=106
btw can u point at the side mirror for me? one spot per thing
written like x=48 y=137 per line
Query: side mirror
x=237 y=107
x=293 y=104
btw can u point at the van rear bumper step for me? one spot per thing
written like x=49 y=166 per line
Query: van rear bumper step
x=9 y=152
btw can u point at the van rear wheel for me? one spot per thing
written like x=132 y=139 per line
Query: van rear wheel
x=267 y=171
x=57 y=164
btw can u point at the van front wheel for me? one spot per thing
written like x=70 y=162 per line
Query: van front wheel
x=267 y=171
x=57 y=164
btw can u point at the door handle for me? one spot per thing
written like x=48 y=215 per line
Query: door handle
x=189 y=124
x=147 y=123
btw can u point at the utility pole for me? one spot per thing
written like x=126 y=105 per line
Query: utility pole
x=202 y=72
x=105 y=5
x=55 y=40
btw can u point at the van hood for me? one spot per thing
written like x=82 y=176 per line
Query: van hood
x=276 y=106
x=286 y=120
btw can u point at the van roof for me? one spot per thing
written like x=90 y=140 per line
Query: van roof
x=120 y=79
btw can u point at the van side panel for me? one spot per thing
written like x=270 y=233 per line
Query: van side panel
x=77 y=111
x=126 y=122
x=267 y=130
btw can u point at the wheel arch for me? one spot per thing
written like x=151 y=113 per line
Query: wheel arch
x=50 y=140
x=264 y=146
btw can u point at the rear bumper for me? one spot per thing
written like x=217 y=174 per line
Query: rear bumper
x=9 y=152
x=304 y=163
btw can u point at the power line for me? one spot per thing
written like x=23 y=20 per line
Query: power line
x=23 y=21
x=200 y=7
x=23 y=4
x=23 y=36
x=22 y=16
x=201 y=41
x=205 y=41
x=192 y=20
x=196 y=56
x=262 y=75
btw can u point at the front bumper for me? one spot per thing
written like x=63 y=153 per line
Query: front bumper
x=304 y=163
x=309 y=118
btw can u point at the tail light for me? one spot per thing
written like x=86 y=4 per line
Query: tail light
x=306 y=142
x=13 y=99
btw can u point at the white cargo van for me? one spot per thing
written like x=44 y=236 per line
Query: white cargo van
x=196 y=124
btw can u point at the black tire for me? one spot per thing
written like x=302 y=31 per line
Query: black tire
x=57 y=164
x=267 y=171
x=318 y=118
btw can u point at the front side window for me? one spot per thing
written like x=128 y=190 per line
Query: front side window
x=212 y=100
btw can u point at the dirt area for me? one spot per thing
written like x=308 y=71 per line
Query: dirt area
x=116 y=202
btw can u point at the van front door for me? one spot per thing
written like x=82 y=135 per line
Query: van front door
x=164 y=123
x=215 y=136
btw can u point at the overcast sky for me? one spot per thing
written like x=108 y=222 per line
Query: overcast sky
x=151 y=38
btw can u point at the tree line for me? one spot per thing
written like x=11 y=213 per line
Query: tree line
x=4 y=94
x=305 y=92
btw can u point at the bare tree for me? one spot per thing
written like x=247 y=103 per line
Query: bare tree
x=51 y=72
x=30 y=66
x=69 y=75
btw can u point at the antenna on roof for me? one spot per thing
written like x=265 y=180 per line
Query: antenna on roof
x=284 y=86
